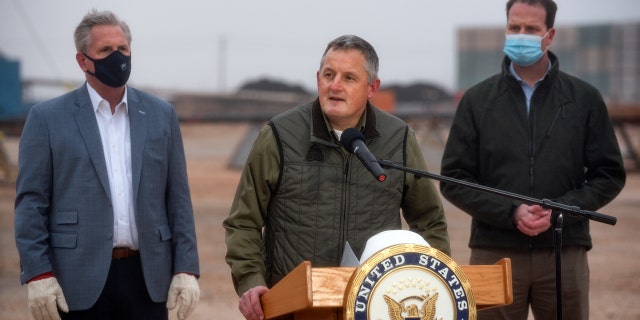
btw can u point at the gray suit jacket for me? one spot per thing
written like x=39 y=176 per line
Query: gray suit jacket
x=63 y=215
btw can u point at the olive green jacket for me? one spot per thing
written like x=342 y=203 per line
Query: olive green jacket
x=310 y=196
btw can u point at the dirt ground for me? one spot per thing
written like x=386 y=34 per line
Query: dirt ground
x=614 y=261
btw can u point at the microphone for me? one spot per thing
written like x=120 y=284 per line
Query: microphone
x=353 y=140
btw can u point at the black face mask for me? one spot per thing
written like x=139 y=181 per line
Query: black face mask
x=114 y=70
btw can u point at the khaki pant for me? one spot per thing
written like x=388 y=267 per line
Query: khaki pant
x=534 y=283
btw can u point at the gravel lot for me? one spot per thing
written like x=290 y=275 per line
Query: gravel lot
x=614 y=261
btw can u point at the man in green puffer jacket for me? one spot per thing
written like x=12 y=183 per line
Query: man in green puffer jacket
x=302 y=195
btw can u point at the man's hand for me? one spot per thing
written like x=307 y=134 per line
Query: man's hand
x=532 y=220
x=44 y=296
x=185 y=291
x=249 y=304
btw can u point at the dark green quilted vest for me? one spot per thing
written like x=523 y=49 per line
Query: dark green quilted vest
x=325 y=195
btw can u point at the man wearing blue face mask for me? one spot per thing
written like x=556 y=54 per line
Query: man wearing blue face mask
x=103 y=217
x=537 y=131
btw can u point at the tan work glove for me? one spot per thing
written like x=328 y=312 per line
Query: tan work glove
x=184 y=290
x=44 y=295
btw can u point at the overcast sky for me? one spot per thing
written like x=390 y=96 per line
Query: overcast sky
x=214 y=46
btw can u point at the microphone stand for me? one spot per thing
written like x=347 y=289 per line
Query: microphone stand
x=557 y=209
x=557 y=245
x=545 y=203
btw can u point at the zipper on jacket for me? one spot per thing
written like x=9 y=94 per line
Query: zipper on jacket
x=343 y=214
x=532 y=150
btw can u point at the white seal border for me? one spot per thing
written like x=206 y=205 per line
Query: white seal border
x=362 y=272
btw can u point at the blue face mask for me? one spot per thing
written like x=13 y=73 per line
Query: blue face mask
x=524 y=49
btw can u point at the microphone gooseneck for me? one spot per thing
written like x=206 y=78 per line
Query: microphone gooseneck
x=354 y=141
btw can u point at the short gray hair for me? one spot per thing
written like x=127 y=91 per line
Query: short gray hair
x=82 y=35
x=348 y=42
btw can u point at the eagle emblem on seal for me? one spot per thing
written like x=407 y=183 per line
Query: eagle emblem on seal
x=401 y=311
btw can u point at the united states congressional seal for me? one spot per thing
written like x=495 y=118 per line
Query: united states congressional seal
x=409 y=282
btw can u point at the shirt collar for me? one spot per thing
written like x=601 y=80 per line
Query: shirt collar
x=515 y=74
x=360 y=126
x=96 y=99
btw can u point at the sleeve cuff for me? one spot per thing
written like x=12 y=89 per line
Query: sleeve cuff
x=42 y=276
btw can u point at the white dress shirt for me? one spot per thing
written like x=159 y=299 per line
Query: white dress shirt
x=116 y=145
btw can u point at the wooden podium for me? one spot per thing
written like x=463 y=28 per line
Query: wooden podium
x=317 y=293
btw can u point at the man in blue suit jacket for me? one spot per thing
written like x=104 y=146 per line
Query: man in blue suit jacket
x=104 y=223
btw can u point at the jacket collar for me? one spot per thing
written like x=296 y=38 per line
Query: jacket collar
x=321 y=130
x=551 y=74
